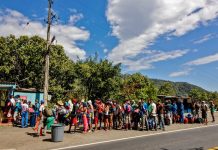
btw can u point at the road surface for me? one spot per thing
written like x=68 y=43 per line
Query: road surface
x=195 y=139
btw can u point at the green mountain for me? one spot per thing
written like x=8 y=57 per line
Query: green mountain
x=182 y=88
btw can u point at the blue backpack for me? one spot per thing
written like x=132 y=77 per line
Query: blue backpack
x=128 y=108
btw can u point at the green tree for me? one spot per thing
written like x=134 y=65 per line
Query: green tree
x=137 y=86
x=99 y=79
x=197 y=94
x=213 y=95
x=167 y=89
x=22 y=61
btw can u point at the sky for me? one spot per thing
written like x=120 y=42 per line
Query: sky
x=173 y=40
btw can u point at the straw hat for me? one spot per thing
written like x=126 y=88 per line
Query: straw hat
x=60 y=103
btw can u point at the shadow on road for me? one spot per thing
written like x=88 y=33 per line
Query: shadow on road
x=32 y=134
x=200 y=148
x=47 y=140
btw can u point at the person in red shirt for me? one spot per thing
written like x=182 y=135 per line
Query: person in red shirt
x=96 y=114
x=100 y=109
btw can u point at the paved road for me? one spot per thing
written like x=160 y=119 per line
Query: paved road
x=196 y=139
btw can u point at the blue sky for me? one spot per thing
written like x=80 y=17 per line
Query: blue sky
x=171 y=40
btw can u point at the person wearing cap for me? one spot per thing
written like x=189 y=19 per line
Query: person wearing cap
x=61 y=111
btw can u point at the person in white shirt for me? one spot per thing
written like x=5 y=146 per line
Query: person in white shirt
x=70 y=105
x=24 y=114
x=12 y=100
x=153 y=113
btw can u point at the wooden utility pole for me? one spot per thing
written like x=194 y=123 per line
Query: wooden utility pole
x=46 y=77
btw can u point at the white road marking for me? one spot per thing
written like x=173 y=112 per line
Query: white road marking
x=133 y=137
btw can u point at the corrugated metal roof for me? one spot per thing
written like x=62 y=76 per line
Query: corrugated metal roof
x=7 y=83
x=27 y=90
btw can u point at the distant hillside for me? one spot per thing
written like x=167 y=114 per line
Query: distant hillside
x=182 y=88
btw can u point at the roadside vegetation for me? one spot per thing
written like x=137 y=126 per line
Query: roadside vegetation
x=22 y=61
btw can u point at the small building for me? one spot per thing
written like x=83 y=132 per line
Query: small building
x=30 y=94
x=11 y=88
x=6 y=89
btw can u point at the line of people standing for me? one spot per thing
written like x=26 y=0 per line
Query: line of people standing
x=97 y=115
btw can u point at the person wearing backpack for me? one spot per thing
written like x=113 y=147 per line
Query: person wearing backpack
x=111 y=114
x=174 y=111
x=73 y=120
x=17 y=111
x=143 y=107
x=160 y=115
x=37 y=106
x=127 y=114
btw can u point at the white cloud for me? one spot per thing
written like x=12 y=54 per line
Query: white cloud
x=181 y=73
x=197 y=62
x=13 y=22
x=151 y=57
x=203 y=60
x=75 y=18
x=138 y=23
x=204 y=39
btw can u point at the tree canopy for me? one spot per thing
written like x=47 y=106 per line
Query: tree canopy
x=22 y=61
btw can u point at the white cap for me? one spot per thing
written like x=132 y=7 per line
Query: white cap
x=89 y=101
